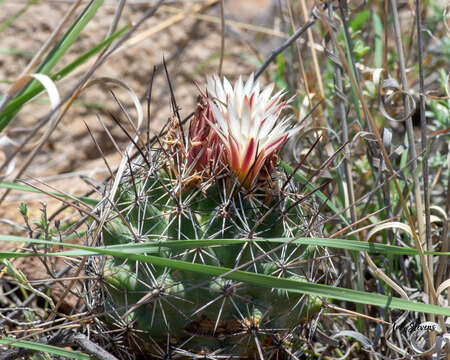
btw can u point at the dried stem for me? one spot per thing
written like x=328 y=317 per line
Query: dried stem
x=313 y=53
x=222 y=35
x=350 y=196
x=286 y=44
x=423 y=128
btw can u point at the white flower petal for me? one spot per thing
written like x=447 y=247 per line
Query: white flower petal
x=227 y=86
x=248 y=114
x=249 y=85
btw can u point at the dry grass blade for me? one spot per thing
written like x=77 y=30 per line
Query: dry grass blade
x=423 y=128
x=350 y=194
x=313 y=52
x=353 y=313
x=409 y=128
x=196 y=8
x=378 y=272
x=424 y=233
x=117 y=15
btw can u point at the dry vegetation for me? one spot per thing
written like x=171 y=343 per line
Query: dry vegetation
x=370 y=88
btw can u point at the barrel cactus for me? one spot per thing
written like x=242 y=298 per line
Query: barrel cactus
x=216 y=179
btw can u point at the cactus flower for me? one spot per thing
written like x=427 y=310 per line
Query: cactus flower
x=246 y=119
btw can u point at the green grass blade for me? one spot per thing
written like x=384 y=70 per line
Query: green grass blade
x=14 y=105
x=15 y=16
x=59 y=50
x=18 y=187
x=378 y=26
x=352 y=69
x=44 y=348
x=360 y=19
x=69 y=37
x=327 y=291
x=352 y=245
x=17 y=52
x=355 y=296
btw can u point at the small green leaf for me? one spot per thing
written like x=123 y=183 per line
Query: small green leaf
x=23 y=209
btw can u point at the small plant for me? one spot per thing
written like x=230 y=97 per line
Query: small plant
x=220 y=181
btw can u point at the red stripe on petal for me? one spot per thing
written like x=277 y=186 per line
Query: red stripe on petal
x=252 y=99
x=249 y=157
x=234 y=153
x=276 y=144
x=274 y=101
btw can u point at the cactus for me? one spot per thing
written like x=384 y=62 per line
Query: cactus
x=217 y=180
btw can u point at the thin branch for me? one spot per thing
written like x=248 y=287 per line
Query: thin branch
x=423 y=128
x=312 y=19
x=350 y=196
x=222 y=35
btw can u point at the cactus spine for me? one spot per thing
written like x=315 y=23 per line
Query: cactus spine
x=220 y=181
